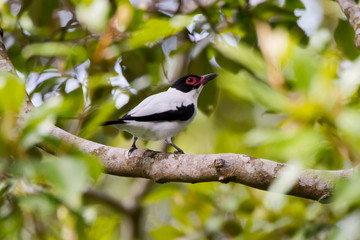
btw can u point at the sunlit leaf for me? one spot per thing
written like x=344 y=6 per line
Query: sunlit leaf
x=93 y=14
x=39 y=203
x=55 y=49
x=103 y=228
x=11 y=92
x=298 y=143
x=94 y=166
x=347 y=122
x=166 y=232
x=302 y=67
x=94 y=124
x=344 y=35
x=243 y=55
x=245 y=86
x=156 y=29
x=67 y=176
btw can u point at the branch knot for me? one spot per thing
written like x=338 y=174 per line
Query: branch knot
x=219 y=163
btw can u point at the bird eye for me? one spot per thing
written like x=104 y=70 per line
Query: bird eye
x=190 y=80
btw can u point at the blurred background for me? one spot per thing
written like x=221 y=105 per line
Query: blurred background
x=288 y=90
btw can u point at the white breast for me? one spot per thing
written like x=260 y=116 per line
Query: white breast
x=155 y=131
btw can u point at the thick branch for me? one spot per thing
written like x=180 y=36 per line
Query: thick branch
x=165 y=167
x=352 y=12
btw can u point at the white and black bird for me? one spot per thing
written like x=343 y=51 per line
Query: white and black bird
x=161 y=116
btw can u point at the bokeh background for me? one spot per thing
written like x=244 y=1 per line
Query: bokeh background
x=288 y=90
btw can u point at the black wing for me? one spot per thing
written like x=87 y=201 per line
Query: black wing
x=182 y=113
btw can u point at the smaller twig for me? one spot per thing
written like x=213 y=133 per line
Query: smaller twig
x=107 y=199
x=131 y=207
x=139 y=189
x=178 y=10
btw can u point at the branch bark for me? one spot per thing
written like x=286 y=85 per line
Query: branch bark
x=352 y=12
x=163 y=167
x=5 y=63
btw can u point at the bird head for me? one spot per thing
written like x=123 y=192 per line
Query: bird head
x=192 y=82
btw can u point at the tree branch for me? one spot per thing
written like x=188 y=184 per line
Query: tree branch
x=108 y=200
x=352 y=12
x=163 y=167
x=138 y=190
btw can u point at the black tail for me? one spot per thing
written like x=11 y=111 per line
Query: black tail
x=119 y=121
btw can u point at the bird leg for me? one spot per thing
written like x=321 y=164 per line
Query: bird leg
x=168 y=140
x=133 y=146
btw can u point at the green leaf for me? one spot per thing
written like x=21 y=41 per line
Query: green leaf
x=94 y=124
x=37 y=124
x=348 y=121
x=94 y=167
x=55 y=49
x=68 y=176
x=244 y=55
x=227 y=64
x=39 y=204
x=302 y=67
x=103 y=228
x=156 y=29
x=344 y=38
x=12 y=92
x=282 y=144
x=72 y=106
x=41 y=11
x=166 y=232
x=11 y=224
x=245 y=23
x=245 y=86
x=346 y=196
x=232 y=228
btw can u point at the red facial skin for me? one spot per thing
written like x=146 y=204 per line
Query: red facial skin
x=194 y=81
x=191 y=81
x=203 y=81
x=200 y=80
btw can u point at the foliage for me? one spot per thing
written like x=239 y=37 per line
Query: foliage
x=287 y=91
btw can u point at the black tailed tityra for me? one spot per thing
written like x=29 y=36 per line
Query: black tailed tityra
x=163 y=115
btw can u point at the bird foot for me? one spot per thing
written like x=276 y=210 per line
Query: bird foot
x=131 y=151
x=179 y=152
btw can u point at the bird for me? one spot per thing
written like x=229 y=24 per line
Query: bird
x=163 y=115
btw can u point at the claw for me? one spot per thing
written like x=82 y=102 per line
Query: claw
x=131 y=150
x=179 y=152
x=133 y=147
